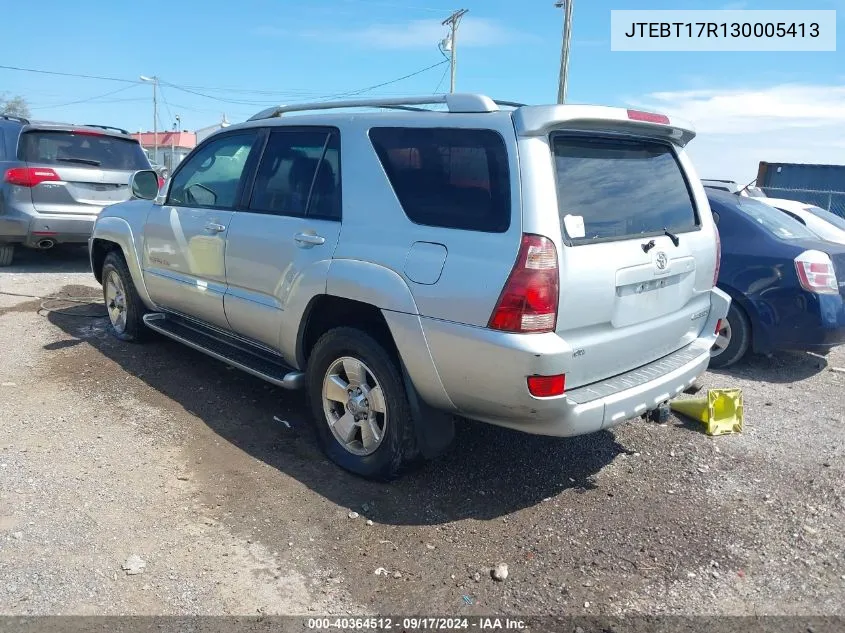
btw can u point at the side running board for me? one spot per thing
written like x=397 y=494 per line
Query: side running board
x=244 y=356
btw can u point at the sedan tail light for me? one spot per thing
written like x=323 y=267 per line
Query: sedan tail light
x=816 y=273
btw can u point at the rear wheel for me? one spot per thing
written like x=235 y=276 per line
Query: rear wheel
x=124 y=306
x=733 y=339
x=7 y=252
x=359 y=405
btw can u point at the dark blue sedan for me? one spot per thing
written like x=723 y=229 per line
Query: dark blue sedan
x=786 y=284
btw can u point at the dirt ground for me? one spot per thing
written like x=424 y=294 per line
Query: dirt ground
x=112 y=452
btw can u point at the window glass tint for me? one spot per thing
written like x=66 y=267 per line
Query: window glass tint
x=448 y=177
x=299 y=174
x=774 y=220
x=210 y=177
x=2 y=145
x=827 y=216
x=80 y=150
x=617 y=188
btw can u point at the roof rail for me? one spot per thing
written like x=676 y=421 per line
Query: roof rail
x=454 y=103
x=12 y=117
x=107 y=127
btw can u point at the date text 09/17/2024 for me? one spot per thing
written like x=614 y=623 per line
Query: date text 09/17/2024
x=417 y=623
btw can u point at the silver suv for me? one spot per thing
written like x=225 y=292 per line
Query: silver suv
x=545 y=268
x=55 y=179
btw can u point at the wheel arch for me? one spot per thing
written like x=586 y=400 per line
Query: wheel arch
x=112 y=233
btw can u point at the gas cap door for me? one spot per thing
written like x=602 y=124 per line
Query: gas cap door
x=424 y=262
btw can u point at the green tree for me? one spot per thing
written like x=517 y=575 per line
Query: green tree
x=16 y=106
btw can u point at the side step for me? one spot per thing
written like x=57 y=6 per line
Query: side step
x=242 y=355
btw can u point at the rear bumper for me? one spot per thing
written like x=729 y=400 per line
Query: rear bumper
x=485 y=375
x=28 y=227
x=814 y=322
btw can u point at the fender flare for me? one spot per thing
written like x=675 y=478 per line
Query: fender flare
x=119 y=231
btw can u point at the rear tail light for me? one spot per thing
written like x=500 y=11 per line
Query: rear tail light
x=528 y=303
x=718 y=256
x=718 y=327
x=29 y=176
x=547 y=386
x=160 y=182
x=87 y=133
x=648 y=117
x=816 y=273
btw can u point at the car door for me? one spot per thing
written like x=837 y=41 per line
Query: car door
x=279 y=247
x=185 y=238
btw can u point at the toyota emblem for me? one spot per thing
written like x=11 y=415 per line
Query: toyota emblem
x=661 y=261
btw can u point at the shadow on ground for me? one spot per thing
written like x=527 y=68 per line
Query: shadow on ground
x=780 y=367
x=64 y=258
x=488 y=473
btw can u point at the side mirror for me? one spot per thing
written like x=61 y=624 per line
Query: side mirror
x=144 y=184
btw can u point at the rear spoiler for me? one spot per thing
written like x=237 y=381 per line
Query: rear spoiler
x=542 y=120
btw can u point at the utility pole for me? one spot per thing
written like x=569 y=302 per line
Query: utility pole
x=452 y=22
x=154 y=81
x=564 y=49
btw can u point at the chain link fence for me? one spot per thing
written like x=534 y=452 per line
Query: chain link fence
x=833 y=201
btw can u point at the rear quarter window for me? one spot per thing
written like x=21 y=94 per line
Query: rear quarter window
x=86 y=149
x=617 y=188
x=448 y=177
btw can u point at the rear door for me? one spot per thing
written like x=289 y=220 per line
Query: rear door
x=638 y=253
x=91 y=168
x=287 y=234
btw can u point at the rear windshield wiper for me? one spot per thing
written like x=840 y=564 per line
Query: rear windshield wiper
x=84 y=161
x=675 y=239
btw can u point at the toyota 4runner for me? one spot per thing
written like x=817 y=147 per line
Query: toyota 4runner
x=545 y=268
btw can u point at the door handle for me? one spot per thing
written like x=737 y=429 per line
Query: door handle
x=213 y=227
x=309 y=239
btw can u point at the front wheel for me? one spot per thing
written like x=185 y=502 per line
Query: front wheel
x=124 y=306
x=732 y=340
x=359 y=405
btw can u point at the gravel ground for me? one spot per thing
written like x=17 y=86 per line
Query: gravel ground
x=112 y=452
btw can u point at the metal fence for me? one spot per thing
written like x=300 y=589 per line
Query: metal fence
x=833 y=201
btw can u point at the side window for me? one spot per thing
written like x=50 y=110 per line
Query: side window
x=211 y=177
x=2 y=145
x=299 y=174
x=448 y=177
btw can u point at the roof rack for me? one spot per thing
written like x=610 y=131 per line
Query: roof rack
x=107 y=127
x=454 y=103
x=12 y=117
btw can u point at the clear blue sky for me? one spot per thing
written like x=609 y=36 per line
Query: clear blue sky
x=267 y=52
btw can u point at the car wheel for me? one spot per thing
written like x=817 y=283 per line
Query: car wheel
x=733 y=339
x=124 y=306
x=360 y=407
x=7 y=252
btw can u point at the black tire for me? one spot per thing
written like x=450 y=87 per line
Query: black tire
x=398 y=451
x=7 y=253
x=134 y=330
x=740 y=339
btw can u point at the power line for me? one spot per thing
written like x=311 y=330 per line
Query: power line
x=61 y=105
x=386 y=83
x=60 y=74
x=166 y=106
x=442 y=77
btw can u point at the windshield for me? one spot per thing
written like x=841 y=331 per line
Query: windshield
x=827 y=216
x=81 y=150
x=776 y=222
x=612 y=188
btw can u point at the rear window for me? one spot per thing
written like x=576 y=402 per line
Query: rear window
x=827 y=216
x=448 y=177
x=778 y=223
x=612 y=189
x=93 y=150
